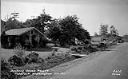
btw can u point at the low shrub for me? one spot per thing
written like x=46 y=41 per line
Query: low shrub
x=18 y=58
x=102 y=46
x=5 y=70
x=16 y=61
x=19 y=51
x=91 y=49
x=83 y=49
x=33 y=58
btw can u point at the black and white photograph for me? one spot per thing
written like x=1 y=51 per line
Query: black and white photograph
x=64 y=39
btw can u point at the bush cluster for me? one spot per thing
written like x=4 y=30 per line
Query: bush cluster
x=55 y=58
x=5 y=70
x=16 y=61
x=102 y=46
x=21 y=61
x=19 y=50
x=18 y=58
x=83 y=49
x=33 y=58
x=26 y=62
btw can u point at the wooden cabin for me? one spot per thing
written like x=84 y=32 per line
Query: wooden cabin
x=27 y=37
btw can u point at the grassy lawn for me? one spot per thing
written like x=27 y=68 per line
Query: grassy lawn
x=6 y=53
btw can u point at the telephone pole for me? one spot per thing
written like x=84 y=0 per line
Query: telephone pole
x=15 y=15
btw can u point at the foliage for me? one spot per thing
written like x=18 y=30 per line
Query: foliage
x=63 y=31
x=18 y=58
x=54 y=31
x=102 y=46
x=103 y=30
x=5 y=70
x=19 y=51
x=112 y=36
x=66 y=30
x=16 y=61
x=33 y=58
x=83 y=49
x=113 y=31
x=28 y=59
x=12 y=23
x=39 y=22
x=83 y=35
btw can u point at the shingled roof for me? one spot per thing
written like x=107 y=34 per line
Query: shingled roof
x=18 y=31
x=21 y=31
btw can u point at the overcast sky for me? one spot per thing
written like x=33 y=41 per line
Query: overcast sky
x=91 y=13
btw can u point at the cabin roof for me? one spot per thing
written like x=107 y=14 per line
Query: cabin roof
x=18 y=31
x=21 y=31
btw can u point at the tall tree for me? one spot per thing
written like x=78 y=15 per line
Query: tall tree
x=113 y=30
x=103 y=30
x=67 y=29
x=40 y=22
x=54 y=30
x=13 y=23
x=72 y=29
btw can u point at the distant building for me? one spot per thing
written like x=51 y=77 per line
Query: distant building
x=125 y=38
x=27 y=37
x=95 y=40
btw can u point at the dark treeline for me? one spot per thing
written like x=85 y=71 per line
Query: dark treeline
x=63 y=31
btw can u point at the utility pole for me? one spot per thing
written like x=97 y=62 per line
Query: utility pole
x=15 y=15
x=43 y=11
